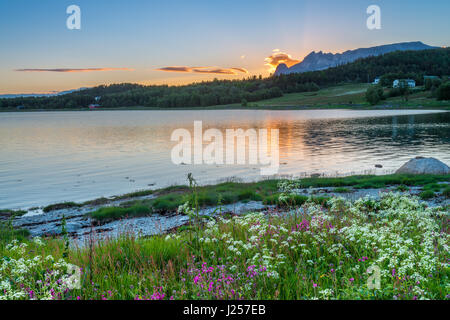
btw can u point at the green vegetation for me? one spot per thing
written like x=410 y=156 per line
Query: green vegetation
x=114 y=213
x=371 y=181
x=170 y=199
x=374 y=94
x=314 y=253
x=427 y=194
x=9 y=213
x=60 y=206
x=395 y=65
x=443 y=92
x=436 y=187
x=341 y=190
x=446 y=192
x=8 y=232
x=402 y=188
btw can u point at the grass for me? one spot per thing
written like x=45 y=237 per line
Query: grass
x=341 y=190
x=446 y=192
x=316 y=253
x=60 y=206
x=114 y=213
x=7 y=234
x=402 y=188
x=10 y=213
x=436 y=187
x=427 y=194
x=169 y=199
x=337 y=95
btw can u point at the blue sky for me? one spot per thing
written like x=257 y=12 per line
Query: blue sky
x=147 y=35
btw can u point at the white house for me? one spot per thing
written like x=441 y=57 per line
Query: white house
x=411 y=83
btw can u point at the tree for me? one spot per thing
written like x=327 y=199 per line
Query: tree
x=428 y=84
x=244 y=102
x=443 y=92
x=374 y=94
x=404 y=89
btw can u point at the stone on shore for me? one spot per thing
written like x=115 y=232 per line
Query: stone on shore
x=422 y=165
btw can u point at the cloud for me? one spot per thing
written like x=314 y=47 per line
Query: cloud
x=210 y=70
x=279 y=57
x=74 y=70
x=175 y=69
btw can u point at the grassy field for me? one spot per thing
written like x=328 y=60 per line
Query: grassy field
x=339 y=95
x=394 y=248
x=351 y=96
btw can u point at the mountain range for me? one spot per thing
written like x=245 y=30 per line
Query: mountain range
x=37 y=95
x=316 y=61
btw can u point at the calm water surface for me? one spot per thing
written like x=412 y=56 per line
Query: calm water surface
x=49 y=157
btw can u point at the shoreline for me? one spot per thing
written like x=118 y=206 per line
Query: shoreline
x=156 y=212
x=238 y=107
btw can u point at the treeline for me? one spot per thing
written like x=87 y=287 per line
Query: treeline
x=396 y=65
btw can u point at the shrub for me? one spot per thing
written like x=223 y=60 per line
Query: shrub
x=402 y=188
x=443 y=92
x=374 y=94
x=427 y=194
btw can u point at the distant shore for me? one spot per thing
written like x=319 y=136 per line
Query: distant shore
x=239 y=107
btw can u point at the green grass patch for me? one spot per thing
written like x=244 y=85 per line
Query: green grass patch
x=446 y=192
x=372 y=181
x=6 y=213
x=61 y=206
x=293 y=200
x=402 y=188
x=427 y=194
x=169 y=199
x=341 y=190
x=114 y=213
x=436 y=187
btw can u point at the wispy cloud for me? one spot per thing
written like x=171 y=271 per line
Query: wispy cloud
x=211 y=70
x=278 y=57
x=74 y=70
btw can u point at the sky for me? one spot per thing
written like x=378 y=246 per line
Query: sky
x=178 y=41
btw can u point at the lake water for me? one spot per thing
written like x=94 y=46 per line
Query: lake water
x=49 y=157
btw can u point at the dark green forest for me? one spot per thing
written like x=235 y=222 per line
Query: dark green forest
x=396 y=65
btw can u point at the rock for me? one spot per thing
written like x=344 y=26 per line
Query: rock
x=421 y=165
x=315 y=175
x=378 y=166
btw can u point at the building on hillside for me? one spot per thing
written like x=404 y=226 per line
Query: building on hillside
x=431 y=78
x=410 y=82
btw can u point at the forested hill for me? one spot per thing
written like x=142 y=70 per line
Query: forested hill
x=401 y=64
